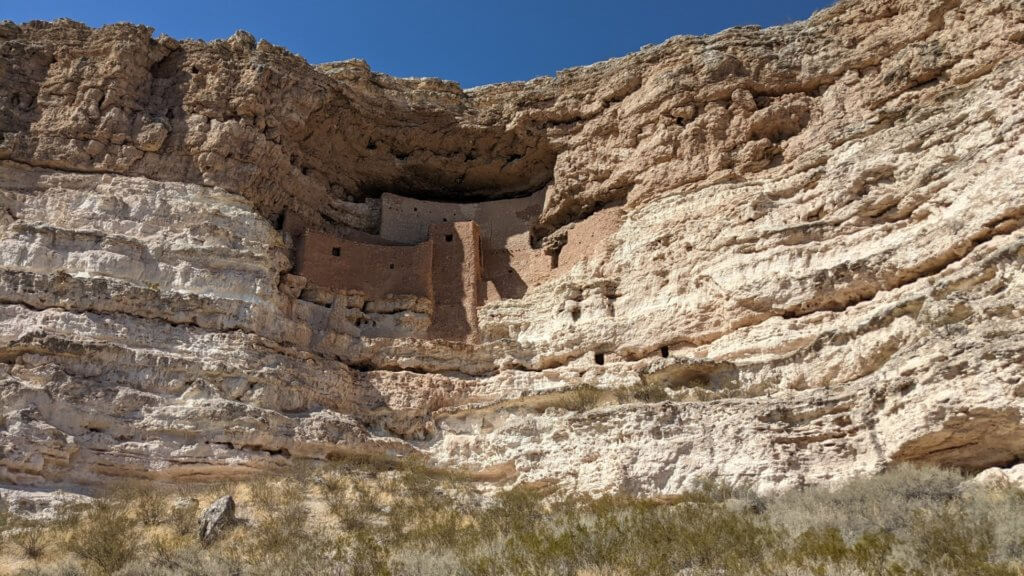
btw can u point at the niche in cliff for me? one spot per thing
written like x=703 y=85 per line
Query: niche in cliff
x=454 y=163
x=357 y=155
x=980 y=439
x=676 y=373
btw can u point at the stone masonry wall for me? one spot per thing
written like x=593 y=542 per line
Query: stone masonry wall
x=457 y=280
x=509 y=262
x=585 y=235
x=376 y=270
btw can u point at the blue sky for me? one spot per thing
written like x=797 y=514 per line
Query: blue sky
x=470 y=41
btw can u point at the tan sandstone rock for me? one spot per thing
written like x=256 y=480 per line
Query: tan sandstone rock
x=807 y=238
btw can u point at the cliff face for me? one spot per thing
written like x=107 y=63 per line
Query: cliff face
x=803 y=256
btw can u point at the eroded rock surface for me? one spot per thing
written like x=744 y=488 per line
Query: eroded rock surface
x=216 y=518
x=808 y=239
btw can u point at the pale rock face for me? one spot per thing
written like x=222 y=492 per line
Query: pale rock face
x=1013 y=476
x=819 y=224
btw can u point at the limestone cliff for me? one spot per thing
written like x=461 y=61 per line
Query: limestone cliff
x=781 y=256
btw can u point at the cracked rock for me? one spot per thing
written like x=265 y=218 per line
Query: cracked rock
x=216 y=518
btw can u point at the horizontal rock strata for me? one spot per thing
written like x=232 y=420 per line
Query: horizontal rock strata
x=805 y=258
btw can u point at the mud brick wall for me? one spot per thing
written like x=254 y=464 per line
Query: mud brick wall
x=376 y=270
x=457 y=280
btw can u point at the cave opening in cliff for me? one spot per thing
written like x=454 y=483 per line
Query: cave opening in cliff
x=599 y=358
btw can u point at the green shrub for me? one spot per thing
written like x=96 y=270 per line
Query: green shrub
x=869 y=503
x=5 y=516
x=817 y=547
x=29 y=538
x=58 y=569
x=948 y=543
x=872 y=551
x=184 y=515
x=1003 y=507
x=410 y=520
x=276 y=539
x=105 y=537
x=150 y=506
x=365 y=555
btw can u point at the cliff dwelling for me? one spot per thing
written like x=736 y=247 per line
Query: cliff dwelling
x=434 y=258
x=777 y=258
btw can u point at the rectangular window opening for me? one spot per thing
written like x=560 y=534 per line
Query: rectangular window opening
x=448 y=237
x=335 y=251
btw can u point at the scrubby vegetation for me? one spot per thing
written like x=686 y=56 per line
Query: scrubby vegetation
x=372 y=518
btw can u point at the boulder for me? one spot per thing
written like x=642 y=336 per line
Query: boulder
x=220 y=515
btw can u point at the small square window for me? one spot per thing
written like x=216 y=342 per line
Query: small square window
x=335 y=251
x=391 y=266
x=448 y=237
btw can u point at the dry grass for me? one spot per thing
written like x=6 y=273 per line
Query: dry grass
x=375 y=516
x=578 y=399
x=5 y=516
x=106 y=536
x=30 y=539
x=641 y=393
